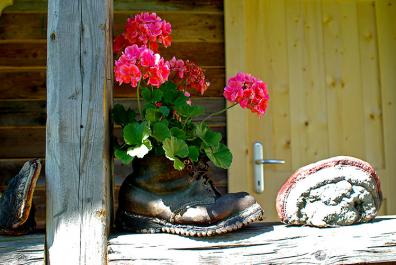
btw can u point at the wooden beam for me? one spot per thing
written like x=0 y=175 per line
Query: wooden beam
x=261 y=243
x=264 y=243
x=79 y=85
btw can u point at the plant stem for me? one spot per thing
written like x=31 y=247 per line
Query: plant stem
x=218 y=112
x=138 y=100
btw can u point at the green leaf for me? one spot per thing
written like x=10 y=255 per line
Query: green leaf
x=152 y=114
x=161 y=131
x=193 y=153
x=122 y=116
x=175 y=147
x=188 y=111
x=146 y=94
x=200 y=130
x=178 y=164
x=221 y=157
x=123 y=156
x=147 y=143
x=212 y=138
x=178 y=133
x=164 y=110
x=134 y=133
x=151 y=96
x=180 y=100
x=209 y=137
x=169 y=91
x=156 y=95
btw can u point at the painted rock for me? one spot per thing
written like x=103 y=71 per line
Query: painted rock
x=337 y=191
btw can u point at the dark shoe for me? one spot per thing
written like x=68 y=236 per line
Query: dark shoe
x=157 y=198
x=16 y=207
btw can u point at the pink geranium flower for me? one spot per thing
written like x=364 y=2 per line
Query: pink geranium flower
x=247 y=91
x=145 y=29
x=188 y=75
x=140 y=62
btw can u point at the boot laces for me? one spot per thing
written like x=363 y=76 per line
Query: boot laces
x=200 y=170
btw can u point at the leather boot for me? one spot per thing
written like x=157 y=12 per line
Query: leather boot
x=158 y=198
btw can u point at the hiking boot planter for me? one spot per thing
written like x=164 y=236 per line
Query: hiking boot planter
x=157 y=198
x=16 y=207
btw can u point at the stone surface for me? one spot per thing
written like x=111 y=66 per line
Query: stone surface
x=332 y=192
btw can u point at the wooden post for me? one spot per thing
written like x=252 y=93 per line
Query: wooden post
x=79 y=83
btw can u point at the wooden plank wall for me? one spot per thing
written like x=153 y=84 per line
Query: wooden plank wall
x=198 y=34
x=330 y=65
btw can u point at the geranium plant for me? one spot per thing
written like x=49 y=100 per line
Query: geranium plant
x=163 y=122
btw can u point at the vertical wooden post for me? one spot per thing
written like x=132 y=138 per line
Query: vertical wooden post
x=79 y=83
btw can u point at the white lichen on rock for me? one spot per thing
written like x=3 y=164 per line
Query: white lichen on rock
x=339 y=194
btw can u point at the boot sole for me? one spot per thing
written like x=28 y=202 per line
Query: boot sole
x=143 y=224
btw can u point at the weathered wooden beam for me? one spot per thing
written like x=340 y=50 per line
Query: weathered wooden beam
x=79 y=85
x=27 y=249
x=264 y=243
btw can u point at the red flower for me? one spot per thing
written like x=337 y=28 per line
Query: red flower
x=248 y=92
x=136 y=62
x=144 y=29
x=188 y=75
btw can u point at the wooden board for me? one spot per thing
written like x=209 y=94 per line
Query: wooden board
x=386 y=19
x=78 y=157
x=261 y=243
x=132 y=5
x=308 y=112
x=34 y=53
x=28 y=83
x=25 y=142
x=28 y=249
x=343 y=83
x=33 y=113
x=185 y=26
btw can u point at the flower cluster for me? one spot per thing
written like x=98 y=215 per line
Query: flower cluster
x=145 y=29
x=187 y=74
x=247 y=91
x=140 y=62
x=166 y=121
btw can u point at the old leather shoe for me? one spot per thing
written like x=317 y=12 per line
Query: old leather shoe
x=157 y=198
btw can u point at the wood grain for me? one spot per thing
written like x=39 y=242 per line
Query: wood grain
x=132 y=5
x=185 y=26
x=34 y=53
x=264 y=243
x=268 y=243
x=235 y=17
x=308 y=111
x=78 y=161
x=386 y=18
x=31 y=84
x=29 y=142
x=370 y=83
x=28 y=249
x=25 y=84
x=343 y=84
x=34 y=113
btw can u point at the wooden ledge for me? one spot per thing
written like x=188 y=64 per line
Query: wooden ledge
x=264 y=243
x=258 y=243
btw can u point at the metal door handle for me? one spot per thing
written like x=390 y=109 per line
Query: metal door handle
x=259 y=165
x=269 y=161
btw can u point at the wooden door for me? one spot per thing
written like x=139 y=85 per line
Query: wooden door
x=331 y=67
